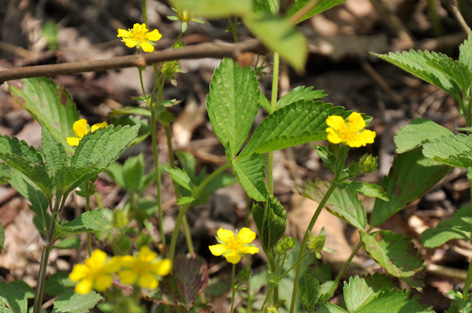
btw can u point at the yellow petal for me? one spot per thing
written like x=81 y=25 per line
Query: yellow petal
x=218 y=250
x=225 y=235
x=233 y=257
x=246 y=235
x=113 y=265
x=98 y=126
x=123 y=33
x=128 y=261
x=333 y=137
x=362 y=139
x=139 y=28
x=146 y=254
x=130 y=42
x=97 y=259
x=73 y=141
x=249 y=250
x=128 y=277
x=79 y=272
x=147 y=47
x=148 y=281
x=103 y=282
x=154 y=35
x=162 y=268
x=80 y=128
x=355 y=122
x=336 y=122
x=84 y=286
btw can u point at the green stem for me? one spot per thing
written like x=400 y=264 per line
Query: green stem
x=468 y=281
x=273 y=269
x=98 y=199
x=233 y=27
x=87 y=208
x=195 y=194
x=303 y=244
x=273 y=106
x=233 y=289
x=248 y=259
x=434 y=16
x=143 y=5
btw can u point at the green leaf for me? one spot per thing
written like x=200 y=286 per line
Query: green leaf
x=2 y=236
x=233 y=102
x=435 y=68
x=410 y=177
x=368 y=190
x=396 y=254
x=267 y=6
x=459 y=226
x=27 y=160
x=188 y=162
x=417 y=132
x=54 y=152
x=295 y=124
x=58 y=283
x=250 y=172
x=181 y=177
x=49 y=104
x=321 y=6
x=270 y=221
x=279 y=35
x=330 y=308
x=264 y=102
x=115 y=171
x=300 y=93
x=39 y=202
x=13 y=297
x=214 y=8
x=130 y=111
x=465 y=52
x=343 y=203
x=133 y=173
x=68 y=243
x=453 y=150
x=4 y=173
x=309 y=289
x=185 y=200
x=28 y=291
x=88 y=222
x=70 y=302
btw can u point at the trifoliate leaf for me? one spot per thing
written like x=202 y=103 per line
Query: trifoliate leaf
x=300 y=93
x=410 y=177
x=459 y=226
x=321 y=6
x=417 y=132
x=396 y=254
x=233 y=102
x=360 y=291
x=250 y=172
x=70 y=302
x=453 y=150
x=270 y=221
x=49 y=104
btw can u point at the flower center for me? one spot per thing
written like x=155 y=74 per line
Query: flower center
x=139 y=34
x=234 y=245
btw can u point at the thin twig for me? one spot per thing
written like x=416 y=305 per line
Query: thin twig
x=205 y=50
x=452 y=5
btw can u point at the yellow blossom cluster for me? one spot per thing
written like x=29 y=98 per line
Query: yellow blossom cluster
x=233 y=246
x=140 y=37
x=145 y=269
x=350 y=132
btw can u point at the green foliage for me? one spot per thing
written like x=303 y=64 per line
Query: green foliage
x=279 y=35
x=13 y=297
x=233 y=102
x=70 y=302
x=298 y=123
x=368 y=190
x=453 y=150
x=343 y=203
x=2 y=236
x=410 y=177
x=267 y=6
x=418 y=132
x=396 y=254
x=330 y=308
x=459 y=226
x=181 y=177
x=130 y=176
x=299 y=93
x=4 y=173
x=68 y=243
x=49 y=104
x=320 y=7
x=309 y=289
x=214 y=8
x=58 y=283
x=250 y=172
x=88 y=222
x=270 y=221
x=465 y=53
x=54 y=153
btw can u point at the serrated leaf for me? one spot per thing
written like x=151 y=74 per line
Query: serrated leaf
x=309 y=289
x=133 y=173
x=49 y=104
x=88 y=222
x=270 y=221
x=453 y=150
x=410 y=177
x=188 y=162
x=27 y=160
x=5 y=173
x=13 y=297
x=330 y=308
x=295 y=124
x=250 y=172
x=360 y=291
x=280 y=35
x=58 y=283
x=465 y=52
x=54 y=153
x=396 y=254
x=181 y=177
x=115 y=171
x=394 y=302
x=267 y=6
x=233 y=102
x=459 y=226
x=185 y=200
x=70 y=302
x=29 y=190
x=300 y=93
x=343 y=203
x=417 y=132
x=214 y=8
x=424 y=65
x=321 y=6
x=368 y=190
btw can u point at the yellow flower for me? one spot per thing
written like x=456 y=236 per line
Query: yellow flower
x=139 y=37
x=81 y=128
x=232 y=246
x=96 y=273
x=351 y=132
x=145 y=268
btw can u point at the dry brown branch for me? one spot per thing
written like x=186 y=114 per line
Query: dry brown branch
x=205 y=50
